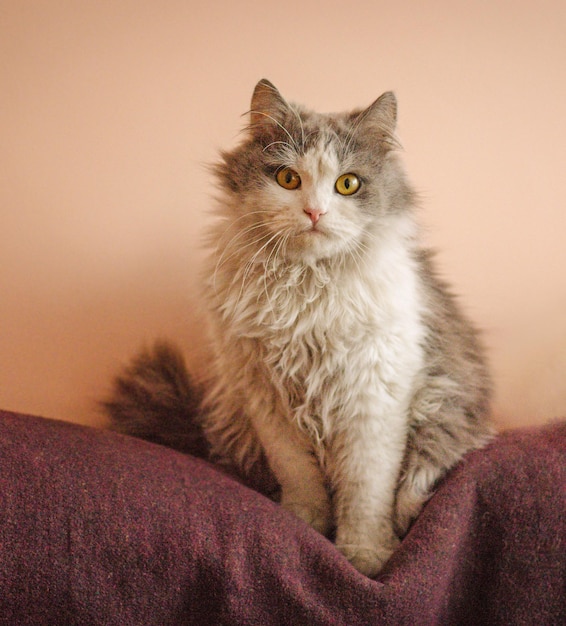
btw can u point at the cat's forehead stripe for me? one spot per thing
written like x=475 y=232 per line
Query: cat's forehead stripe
x=313 y=129
x=321 y=158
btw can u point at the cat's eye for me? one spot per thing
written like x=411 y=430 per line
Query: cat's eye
x=347 y=184
x=288 y=178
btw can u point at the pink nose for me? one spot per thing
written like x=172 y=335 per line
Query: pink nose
x=314 y=214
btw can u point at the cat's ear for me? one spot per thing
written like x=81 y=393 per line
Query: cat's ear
x=268 y=106
x=385 y=107
x=380 y=118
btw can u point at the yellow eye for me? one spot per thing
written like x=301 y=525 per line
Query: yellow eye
x=288 y=178
x=348 y=184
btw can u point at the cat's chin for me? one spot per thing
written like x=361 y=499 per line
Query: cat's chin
x=313 y=245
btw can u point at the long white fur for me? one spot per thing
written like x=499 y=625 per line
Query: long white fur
x=337 y=355
x=317 y=342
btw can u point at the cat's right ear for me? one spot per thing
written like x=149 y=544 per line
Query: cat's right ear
x=379 y=120
x=268 y=107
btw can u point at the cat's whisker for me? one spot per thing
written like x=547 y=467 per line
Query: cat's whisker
x=238 y=249
x=230 y=245
x=251 y=262
x=274 y=257
x=240 y=232
x=231 y=242
x=272 y=254
x=286 y=241
x=356 y=256
x=278 y=123
x=337 y=137
x=313 y=133
x=235 y=222
x=249 y=267
x=277 y=143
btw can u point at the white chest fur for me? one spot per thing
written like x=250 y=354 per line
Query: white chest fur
x=336 y=341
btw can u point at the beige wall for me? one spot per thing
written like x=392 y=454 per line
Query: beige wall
x=108 y=111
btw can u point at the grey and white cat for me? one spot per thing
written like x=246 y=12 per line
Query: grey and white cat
x=338 y=357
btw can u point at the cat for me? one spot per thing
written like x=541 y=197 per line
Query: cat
x=338 y=358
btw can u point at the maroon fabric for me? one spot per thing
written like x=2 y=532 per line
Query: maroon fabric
x=99 y=528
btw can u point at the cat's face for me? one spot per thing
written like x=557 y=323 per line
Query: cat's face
x=306 y=186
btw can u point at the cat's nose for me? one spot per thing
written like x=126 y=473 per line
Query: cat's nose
x=314 y=214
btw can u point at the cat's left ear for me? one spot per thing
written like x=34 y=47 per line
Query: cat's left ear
x=380 y=117
x=268 y=106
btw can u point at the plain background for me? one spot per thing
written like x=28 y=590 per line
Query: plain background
x=110 y=111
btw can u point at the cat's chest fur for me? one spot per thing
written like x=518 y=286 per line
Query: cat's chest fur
x=333 y=334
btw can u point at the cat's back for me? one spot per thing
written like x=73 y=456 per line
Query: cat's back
x=455 y=355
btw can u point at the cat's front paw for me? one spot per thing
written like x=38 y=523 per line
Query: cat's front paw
x=366 y=557
x=408 y=505
x=317 y=513
x=368 y=561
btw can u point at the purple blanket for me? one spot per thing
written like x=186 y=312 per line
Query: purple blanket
x=99 y=528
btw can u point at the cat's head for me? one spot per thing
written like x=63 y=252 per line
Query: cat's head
x=305 y=186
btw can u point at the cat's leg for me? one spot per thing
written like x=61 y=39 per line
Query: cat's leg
x=415 y=488
x=303 y=486
x=435 y=444
x=364 y=473
x=238 y=434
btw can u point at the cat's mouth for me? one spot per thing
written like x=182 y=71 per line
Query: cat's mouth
x=311 y=231
x=315 y=230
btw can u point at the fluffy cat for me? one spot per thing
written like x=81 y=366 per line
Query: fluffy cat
x=338 y=357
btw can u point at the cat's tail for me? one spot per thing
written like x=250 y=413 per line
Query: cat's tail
x=154 y=398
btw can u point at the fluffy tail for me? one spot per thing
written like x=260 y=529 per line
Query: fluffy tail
x=154 y=398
